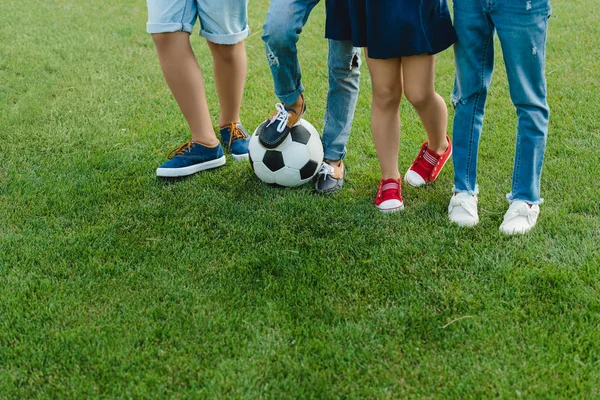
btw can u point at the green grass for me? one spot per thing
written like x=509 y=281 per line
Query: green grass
x=116 y=284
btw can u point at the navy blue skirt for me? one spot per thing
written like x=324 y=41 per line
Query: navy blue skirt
x=392 y=28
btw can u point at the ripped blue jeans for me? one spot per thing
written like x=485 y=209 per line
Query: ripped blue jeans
x=285 y=20
x=522 y=29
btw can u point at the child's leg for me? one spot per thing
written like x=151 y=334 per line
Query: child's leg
x=474 y=65
x=230 y=67
x=522 y=34
x=343 y=62
x=386 y=79
x=183 y=75
x=281 y=30
x=284 y=23
x=224 y=24
x=419 y=74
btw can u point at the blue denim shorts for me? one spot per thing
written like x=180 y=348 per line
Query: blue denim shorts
x=221 y=21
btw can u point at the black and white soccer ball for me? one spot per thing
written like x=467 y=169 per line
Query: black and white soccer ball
x=294 y=162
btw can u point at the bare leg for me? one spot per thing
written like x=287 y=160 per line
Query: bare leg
x=230 y=67
x=386 y=78
x=183 y=75
x=419 y=75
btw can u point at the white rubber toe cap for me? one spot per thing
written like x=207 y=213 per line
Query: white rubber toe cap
x=462 y=209
x=414 y=179
x=390 y=206
x=519 y=218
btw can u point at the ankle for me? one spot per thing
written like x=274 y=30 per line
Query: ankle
x=440 y=149
x=395 y=177
x=438 y=146
x=298 y=104
x=209 y=143
x=334 y=163
x=228 y=124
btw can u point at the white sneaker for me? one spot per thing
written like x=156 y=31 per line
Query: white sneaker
x=519 y=218
x=462 y=209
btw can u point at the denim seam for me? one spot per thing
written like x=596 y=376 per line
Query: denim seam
x=475 y=105
x=515 y=182
x=308 y=10
x=326 y=116
x=183 y=12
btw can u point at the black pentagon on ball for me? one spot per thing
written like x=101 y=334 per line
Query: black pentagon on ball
x=300 y=134
x=308 y=170
x=273 y=160
x=251 y=162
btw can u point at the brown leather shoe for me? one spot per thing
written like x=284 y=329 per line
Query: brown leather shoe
x=280 y=123
x=330 y=177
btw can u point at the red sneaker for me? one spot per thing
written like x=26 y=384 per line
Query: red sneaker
x=427 y=166
x=389 y=196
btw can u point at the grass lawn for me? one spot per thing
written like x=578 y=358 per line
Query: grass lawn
x=114 y=283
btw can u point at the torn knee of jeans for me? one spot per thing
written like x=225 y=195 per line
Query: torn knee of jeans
x=456 y=100
x=355 y=60
x=273 y=60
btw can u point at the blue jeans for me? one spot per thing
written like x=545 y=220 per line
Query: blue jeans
x=522 y=28
x=284 y=23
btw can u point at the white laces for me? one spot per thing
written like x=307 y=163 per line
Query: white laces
x=282 y=116
x=326 y=170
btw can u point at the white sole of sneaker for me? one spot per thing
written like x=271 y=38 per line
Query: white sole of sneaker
x=192 y=169
x=390 y=206
x=515 y=230
x=464 y=222
x=240 y=157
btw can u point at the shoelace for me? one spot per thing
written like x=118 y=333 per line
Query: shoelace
x=184 y=148
x=235 y=132
x=282 y=116
x=326 y=170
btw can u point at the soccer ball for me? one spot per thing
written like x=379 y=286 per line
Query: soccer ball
x=294 y=162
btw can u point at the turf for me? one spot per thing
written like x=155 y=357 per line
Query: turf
x=115 y=284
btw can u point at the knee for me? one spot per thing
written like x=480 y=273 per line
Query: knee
x=346 y=66
x=225 y=52
x=278 y=35
x=163 y=40
x=387 y=96
x=419 y=98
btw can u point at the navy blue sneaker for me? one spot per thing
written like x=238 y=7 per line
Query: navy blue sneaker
x=189 y=158
x=236 y=139
x=280 y=124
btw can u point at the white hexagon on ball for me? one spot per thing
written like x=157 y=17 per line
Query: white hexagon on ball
x=264 y=173
x=286 y=175
x=295 y=155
